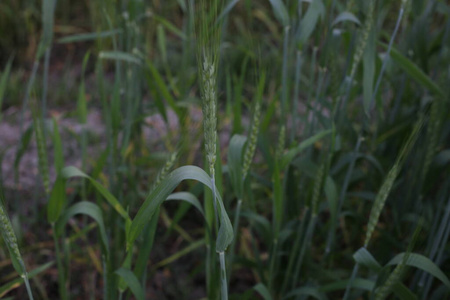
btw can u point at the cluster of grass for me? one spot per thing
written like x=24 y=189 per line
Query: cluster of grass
x=331 y=180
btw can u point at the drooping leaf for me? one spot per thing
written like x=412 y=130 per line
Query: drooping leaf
x=187 y=197
x=346 y=16
x=71 y=171
x=424 y=263
x=162 y=191
x=85 y=208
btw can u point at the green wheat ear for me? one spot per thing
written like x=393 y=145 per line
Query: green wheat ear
x=385 y=189
x=383 y=291
x=251 y=145
x=38 y=125
x=11 y=243
x=209 y=107
x=433 y=131
x=208 y=58
x=170 y=162
x=362 y=41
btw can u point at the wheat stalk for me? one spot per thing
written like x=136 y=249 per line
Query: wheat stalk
x=208 y=60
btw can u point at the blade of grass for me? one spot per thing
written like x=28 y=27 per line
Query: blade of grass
x=89 y=36
x=414 y=71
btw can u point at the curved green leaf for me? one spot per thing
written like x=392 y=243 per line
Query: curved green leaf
x=187 y=197
x=422 y=262
x=85 y=208
x=70 y=172
x=346 y=16
x=162 y=191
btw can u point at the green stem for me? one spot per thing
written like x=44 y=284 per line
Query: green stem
x=235 y=229
x=294 y=251
x=61 y=279
x=386 y=58
x=333 y=225
x=306 y=242
x=284 y=91
x=213 y=183
x=273 y=264
x=27 y=285
x=223 y=277
x=350 y=282
x=298 y=65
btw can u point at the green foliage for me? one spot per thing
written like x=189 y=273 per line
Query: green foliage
x=310 y=154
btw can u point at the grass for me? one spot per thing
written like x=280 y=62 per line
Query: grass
x=303 y=154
